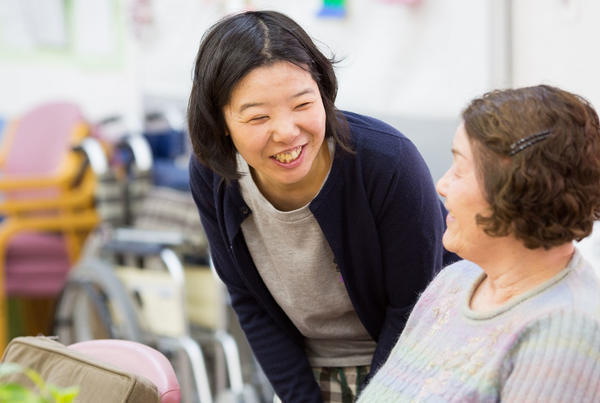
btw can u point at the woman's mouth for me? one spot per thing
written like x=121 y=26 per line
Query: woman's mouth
x=288 y=156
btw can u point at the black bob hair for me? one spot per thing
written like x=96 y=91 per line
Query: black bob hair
x=232 y=48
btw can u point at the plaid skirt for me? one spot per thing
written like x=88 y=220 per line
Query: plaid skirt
x=339 y=384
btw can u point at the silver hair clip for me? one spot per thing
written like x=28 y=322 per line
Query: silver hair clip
x=525 y=142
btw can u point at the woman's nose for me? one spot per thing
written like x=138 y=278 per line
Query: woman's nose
x=285 y=130
x=442 y=185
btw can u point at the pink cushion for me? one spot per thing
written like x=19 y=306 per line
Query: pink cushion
x=36 y=244
x=35 y=279
x=36 y=265
x=136 y=358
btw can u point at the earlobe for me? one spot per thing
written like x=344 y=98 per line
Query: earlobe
x=226 y=130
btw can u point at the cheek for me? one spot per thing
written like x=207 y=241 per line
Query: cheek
x=316 y=121
x=462 y=216
x=462 y=231
x=247 y=140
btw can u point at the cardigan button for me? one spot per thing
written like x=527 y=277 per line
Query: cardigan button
x=245 y=210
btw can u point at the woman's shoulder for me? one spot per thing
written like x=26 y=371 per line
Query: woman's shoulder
x=460 y=270
x=200 y=174
x=370 y=133
x=369 y=124
x=203 y=180
x=197 y=169
x=456 y=276
x=581 y=287
x=567 y=326
x=573 y=299
x=383 y=148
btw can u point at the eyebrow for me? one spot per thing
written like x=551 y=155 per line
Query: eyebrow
x=249 y=105
x=254 y=104
x=303 y=92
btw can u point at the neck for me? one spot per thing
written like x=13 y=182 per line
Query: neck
x=293 y=196
x=517 y=271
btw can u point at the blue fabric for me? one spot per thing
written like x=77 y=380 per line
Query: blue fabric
x=168 y=144
x=332 y=11
x=384 y=222
x=166 y=173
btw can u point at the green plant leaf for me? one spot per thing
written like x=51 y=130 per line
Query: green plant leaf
x=63 y=395
x=48 y=393
x=37 y=380
x=12 y=393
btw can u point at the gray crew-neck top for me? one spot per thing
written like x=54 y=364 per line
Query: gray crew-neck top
x=295 y=261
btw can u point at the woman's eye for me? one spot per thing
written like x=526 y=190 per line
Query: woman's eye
x=455 y=171
x=303 y=105
x=258 y=118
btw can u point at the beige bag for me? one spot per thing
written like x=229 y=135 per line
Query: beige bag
x=63 y=367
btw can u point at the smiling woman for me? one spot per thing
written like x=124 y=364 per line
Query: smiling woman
x=323 y=224
x=517 y=320
x=464 y=201
x=280 y=133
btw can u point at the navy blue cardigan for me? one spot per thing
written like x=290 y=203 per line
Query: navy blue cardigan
x=384 y=222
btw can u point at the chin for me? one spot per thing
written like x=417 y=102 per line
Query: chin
x=447 y=241
x=450 y=245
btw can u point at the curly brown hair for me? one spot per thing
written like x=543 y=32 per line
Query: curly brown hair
x=547 y=193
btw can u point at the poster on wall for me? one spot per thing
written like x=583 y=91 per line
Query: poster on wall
x=73 y=31
x=407 y=2
x=28 y=24
x=333 y=9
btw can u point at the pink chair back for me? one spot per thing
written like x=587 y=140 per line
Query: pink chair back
x=36 y=264
x=41 y=139
x=136 y=358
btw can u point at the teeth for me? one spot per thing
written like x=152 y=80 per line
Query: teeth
x=288 y=157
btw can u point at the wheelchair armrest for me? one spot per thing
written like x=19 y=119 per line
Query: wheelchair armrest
x=137 y=248
x=140 y=149
x=145 y=243
x=94 y=154
x=143 y=236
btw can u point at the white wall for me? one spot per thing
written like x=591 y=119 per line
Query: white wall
x=556 y=42
x=413 y=66
x=103 y=86
x=424 y=60
x=418 y=62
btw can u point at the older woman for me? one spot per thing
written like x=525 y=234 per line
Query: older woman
x=519 y=319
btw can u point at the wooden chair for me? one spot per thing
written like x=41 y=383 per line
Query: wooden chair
x=47 y=188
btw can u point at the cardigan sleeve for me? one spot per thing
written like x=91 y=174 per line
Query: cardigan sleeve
x=410 y=223
x=283 y=360
x=555 y=359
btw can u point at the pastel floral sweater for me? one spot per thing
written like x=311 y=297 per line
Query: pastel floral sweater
x=542 y=346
